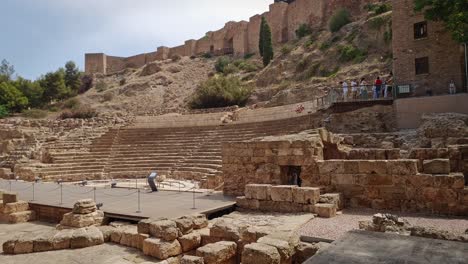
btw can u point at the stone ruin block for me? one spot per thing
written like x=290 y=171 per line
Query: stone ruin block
x=305 y=251
x=250 y=204
x=285 y=249
x=451 y=181
x=82 y=220
x=15 y=207
x=199 y=221
x=282 y=207
x=184 y=224
x=22 y=217
x=85 y=206
x=331 y=167
x=131 y=238
x=373 y=167
x=402 y=167
x=190 y=241
x=306 y=195
x=220 y=252
x=333 y=198
x=282 y=193
x=253 y=233
x=9 y=197
x=191 y=260
x=164 y=229
x=161 y=249
x=257 y=253
x=258 y=191
x=224 y=230
x=436 y=166
x=86 y=237
x=325 y=210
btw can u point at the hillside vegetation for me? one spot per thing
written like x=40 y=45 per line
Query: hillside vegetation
x=349 y=48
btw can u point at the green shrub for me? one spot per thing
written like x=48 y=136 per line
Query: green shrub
x=339 y=19
x=286 y=49
x=302 y=65
x=53 y=108
x=376 y=23
x=388 y=36
x=81 y=113
x=324 y=46
x=303 y=31
x=207 y=55
x=309 y=42
x=34 y=113
x=221 y=64
x=230 y=69
x=3 y=111
x=101 y=86
x=351 y=53
x=71 y=103
x=221 y=91
x=248 y=67
x=378 y=8
x=248 y=56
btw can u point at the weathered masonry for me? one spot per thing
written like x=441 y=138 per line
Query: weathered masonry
x=237 y=38
x=427 y=180
x=425 y=55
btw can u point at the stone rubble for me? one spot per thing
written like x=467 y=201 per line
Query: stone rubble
x=84 y=214
x=389 y=223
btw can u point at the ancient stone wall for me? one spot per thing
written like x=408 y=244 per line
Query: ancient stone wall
x=240 y=38
x=444 y=54
x=433 y=181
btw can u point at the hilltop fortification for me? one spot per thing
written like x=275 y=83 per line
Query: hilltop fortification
x=237 y=38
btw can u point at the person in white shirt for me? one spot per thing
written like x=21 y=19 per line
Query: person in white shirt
x=452 y=87
x=345 y=90
x=354 y=89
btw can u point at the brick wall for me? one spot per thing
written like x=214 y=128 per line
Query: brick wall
x=445 y=55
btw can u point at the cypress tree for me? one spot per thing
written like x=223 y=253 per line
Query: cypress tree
x=262 y=33
x=267 y=45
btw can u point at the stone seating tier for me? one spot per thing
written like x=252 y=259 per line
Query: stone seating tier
x=183 y=152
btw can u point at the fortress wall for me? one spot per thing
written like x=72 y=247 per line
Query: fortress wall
x=95 y=63
x=276 y=18
x=253 y=32
x=203 y=46
x=190 y=47
x=179 y=50
x=115 y=64
x=136 y=61
x=304 y=12
x=284 y=19
x=152 y=56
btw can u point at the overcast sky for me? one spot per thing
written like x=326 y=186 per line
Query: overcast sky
x=38 y=36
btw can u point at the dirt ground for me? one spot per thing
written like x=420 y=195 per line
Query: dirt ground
x=335 y=228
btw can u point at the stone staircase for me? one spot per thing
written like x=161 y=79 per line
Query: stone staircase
x=80 y=156
x=178 y=152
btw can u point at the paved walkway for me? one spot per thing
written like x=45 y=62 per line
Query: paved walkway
x=362 y=247
x=120 y=201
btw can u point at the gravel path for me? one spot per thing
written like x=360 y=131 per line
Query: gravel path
x=334 y=228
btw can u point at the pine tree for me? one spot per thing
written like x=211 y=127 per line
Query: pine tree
x=261 y=43
x=267 y=45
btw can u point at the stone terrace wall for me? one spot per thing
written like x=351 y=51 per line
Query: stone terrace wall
x=378 y=178
x=391 y=184
x=240 y=38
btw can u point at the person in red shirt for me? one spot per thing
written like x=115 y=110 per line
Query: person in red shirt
x=378 y=87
